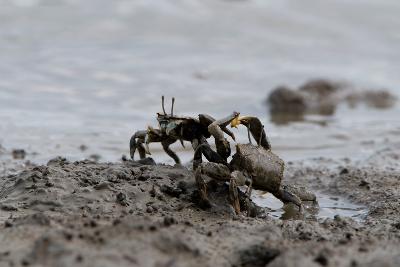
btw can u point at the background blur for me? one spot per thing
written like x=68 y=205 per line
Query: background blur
x=91 y=72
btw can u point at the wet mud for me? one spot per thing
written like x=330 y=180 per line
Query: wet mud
x=86 y=213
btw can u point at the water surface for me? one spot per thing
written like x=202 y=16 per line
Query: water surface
x=92 y=72
x=327 y=206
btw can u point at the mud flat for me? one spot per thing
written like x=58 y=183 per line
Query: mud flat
x=140 y=214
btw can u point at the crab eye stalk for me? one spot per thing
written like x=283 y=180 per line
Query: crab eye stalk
x=172 y=107
x=163 y=106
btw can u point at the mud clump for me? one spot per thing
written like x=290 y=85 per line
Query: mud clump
x=320 y=88
x=133 y=214
x=284 y=99
x=380 y=99
x=322 y=97
x=18 y=153
x=257 y=256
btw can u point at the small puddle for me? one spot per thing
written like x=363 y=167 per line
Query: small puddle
x=327 y=207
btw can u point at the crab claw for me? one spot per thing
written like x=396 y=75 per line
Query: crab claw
x=136 y=144
x=228 y=132
x=147 y=141
x=147 y=149
x=206 y=120
x=234 y=196
x=256 y=128
x=146 y=145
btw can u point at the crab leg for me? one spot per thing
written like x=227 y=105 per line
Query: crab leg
x=221 y=172
x=136 y=142
x=165 y=144
x=206 y=120
x=202 y=186
x=301 y=192
x=213 y=170
x=141 y=140
x=203 y=148
x=155 y=135
x=238 y=179
x=234 y=195
x=288 y=197
x=248 y=135
x=215 y=129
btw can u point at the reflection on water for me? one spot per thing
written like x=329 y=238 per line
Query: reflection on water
x=327 y=207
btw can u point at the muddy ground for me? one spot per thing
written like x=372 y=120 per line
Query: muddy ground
x=140 y=214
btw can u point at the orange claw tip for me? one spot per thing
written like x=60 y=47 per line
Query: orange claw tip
x=235 y=122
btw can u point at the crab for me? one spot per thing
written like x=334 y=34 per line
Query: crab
x=255 y=166
x=173 y=128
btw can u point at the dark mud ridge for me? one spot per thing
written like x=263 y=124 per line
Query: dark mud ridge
x=140 y=214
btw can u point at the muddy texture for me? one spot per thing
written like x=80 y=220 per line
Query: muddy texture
x=141 y=214
x=322 y=97
x=18 y=153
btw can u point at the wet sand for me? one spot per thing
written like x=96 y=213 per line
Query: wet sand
x=130 y=214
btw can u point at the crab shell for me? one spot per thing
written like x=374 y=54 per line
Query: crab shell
x=264 y=167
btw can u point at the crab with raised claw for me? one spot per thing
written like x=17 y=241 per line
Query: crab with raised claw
x=173 y=128
x=253 y=165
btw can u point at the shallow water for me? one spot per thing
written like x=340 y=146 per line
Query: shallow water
x=92 y=72
x=327 y=207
